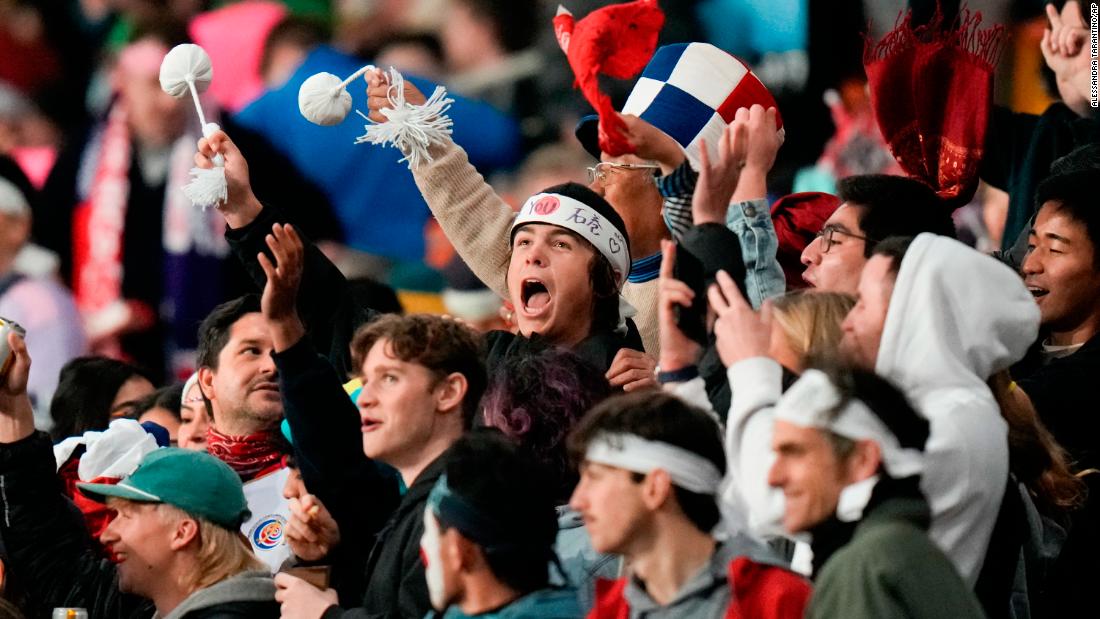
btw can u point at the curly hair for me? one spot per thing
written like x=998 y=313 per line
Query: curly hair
x=535 y=397
x=440 y=344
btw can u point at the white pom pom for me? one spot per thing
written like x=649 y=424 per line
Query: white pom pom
x=323 y=100
x=185 y=63
x=411 y=128
x=207 y=187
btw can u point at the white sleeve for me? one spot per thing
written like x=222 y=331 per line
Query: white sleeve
x=756 y=385
x=693 y=392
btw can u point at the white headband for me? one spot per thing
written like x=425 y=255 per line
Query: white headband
x=574 y=215
x=12 y=200
x=809 y=403
x=688 y=470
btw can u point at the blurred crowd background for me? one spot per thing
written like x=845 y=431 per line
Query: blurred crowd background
x=70 y=68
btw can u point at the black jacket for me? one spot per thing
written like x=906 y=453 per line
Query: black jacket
x=396 y=586
x=1063 y=396
x=328 y=447
x=325 y=302
x=49 y=547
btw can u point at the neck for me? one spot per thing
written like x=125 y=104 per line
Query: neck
x=484 y=593
x=1079 y=334
x=238 y=425
x=673 y=554
x=645 y=227
x=7 y=262
x=168 y=594
x=439 y=443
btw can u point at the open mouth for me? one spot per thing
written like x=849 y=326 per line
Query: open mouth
x=534 y=295
x=370 y=425
x=1038 y=292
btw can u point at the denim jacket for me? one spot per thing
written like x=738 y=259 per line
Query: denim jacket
x=750 y=220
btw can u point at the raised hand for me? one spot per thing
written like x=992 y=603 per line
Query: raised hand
x=764 y=143
x=16 y=414
x=677 y=350
x=1065 y=50
x=718 y=180
x=740 y=332
x=280 y=294
x=311 y=530
x=241 y=205
x=651 y=143
x=379 y=92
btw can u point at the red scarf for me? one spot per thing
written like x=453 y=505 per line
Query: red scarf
x=931 y=88
x=250 y=456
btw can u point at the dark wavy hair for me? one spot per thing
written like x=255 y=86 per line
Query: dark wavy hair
x=85 y=390
x=536 y=397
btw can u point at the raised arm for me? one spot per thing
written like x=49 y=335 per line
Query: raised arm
x=475 y=219
x=46 y=539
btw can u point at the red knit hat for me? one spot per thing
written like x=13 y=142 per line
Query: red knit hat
x=798 y=218
x=931 y=88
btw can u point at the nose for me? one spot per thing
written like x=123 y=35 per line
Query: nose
x=578 y=501
x=267 y=365
x=366 y=399
x=596 y=186
x=776 y=477
x=1032 y=264
x=535 y=254
x=812 y=254
x=109 y=535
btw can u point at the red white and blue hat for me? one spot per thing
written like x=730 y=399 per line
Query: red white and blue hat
x=690 y=91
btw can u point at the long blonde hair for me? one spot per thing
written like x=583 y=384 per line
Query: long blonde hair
x=222 y=553
x=811 y=321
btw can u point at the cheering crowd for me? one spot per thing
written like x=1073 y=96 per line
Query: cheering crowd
x=702 y=380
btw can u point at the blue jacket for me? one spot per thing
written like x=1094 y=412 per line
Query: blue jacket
x=379 y=207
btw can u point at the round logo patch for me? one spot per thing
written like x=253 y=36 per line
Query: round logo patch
x=545 y=205
x=268 y=532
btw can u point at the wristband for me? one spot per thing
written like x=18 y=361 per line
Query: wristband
x=683 y=374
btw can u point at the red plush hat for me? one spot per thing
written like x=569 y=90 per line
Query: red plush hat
x=617 y=41
x=931 y=88
x=798 y=218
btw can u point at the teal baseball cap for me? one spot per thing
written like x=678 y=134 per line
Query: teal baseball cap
x=193 y=481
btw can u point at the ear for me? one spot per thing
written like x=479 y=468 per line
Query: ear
x=455 y=551
x=450 y=392
x=864 y=461
x=656 y=489
x=186 y=531
x=206 y=383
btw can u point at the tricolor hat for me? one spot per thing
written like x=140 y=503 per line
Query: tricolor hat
x=579 y=209
x=690 y=91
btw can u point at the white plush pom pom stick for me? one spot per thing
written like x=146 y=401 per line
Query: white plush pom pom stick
x=411 y=128
x=324 y=100
x=187 y=69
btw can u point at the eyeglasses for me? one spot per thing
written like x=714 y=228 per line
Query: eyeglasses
x=828 y=237
x=599 y=171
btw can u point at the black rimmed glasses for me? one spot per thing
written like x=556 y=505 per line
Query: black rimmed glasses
x=828 y=237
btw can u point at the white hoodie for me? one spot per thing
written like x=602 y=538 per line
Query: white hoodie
x=956 y=317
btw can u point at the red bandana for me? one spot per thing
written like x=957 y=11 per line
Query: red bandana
x=616 y=40
x=250 y=456
x=931 y=88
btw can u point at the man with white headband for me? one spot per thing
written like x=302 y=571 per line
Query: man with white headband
x=650 y=469
x=938 y=319
x=849 y=455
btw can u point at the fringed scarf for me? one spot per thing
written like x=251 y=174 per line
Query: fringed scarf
x=193 y=241
x=931 y=88
x=250 y=456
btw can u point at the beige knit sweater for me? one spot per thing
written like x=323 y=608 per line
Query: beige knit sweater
x=477 y=222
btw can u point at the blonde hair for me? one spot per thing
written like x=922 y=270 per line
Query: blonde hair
x=222 y=553
x=811 y=321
